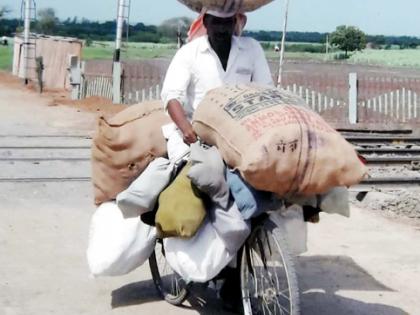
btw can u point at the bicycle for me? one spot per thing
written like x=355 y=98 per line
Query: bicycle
x=268 y=277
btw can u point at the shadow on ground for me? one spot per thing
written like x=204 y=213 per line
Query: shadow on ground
x=202 y=299
x=320 y=279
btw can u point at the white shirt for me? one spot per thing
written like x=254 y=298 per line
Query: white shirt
x=196 y=69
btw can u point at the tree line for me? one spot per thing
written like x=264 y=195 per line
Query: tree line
x=47 y=23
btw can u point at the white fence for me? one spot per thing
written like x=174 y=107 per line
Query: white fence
x=152 y=93
x=100 y=86
x=317 y=101
x=400 y=104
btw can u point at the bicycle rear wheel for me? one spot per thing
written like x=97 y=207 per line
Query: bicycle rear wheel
x=268 y=276
x=170 y=286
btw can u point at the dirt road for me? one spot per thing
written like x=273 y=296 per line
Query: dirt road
x=364 y=265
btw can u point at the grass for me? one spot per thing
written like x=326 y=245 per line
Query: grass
x=6 y=57
x=105 y=50
x=271 y=54
x=390 y=58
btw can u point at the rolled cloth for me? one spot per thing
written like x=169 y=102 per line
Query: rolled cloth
x=197 y=28
x=221 y=14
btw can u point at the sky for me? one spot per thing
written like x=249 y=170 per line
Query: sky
x=374 y=17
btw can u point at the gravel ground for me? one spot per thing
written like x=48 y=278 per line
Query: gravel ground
x=393 y=203
x=394 y=171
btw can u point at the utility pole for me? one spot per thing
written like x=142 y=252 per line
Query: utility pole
x=283 y=41
x=327 y=47
x=26 y=43
x=116 y=69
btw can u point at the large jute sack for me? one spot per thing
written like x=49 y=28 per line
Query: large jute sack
x=225 y=5
x=124 y=145
x=275 y=142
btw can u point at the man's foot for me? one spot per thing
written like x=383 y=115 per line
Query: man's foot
x=230 y=292
x=311 y=214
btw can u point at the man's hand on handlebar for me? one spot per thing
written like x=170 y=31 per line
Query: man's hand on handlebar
x=177 y=114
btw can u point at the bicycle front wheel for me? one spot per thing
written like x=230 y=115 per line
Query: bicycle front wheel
x=170 y=286
x=268 y=276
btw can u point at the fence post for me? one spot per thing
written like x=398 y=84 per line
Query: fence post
x=116 y=83
x=403 y=105
x=353 y=98
x=409 y=104
x=157 y=91
x=313 y=100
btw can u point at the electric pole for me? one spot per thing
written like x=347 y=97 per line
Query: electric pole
x=116 y=69
x=283 y=41
x=26 y=43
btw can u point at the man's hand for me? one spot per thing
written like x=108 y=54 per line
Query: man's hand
x=177 y=114
x=189 y=135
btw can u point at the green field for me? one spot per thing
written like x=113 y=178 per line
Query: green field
x=105 y=50
x=6 y=57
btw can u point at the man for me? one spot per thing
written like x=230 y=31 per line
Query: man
x=216 y=59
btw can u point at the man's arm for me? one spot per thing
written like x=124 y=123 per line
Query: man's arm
x=174 y=93
x=177 y=114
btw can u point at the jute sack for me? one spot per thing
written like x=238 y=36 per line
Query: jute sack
x=124 y=145
x=225 y=5
x=181 y=210
x=277 y=144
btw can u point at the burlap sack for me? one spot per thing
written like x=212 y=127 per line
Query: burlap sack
x=124 y=145
x=276 y=145
x=225 y=5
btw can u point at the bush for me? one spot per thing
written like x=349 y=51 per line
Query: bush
x=341 y=56
x=309 y=48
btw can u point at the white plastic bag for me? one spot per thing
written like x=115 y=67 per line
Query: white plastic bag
x=291 y=222
x=336 y=201
x=200 y=258
x=117 y=245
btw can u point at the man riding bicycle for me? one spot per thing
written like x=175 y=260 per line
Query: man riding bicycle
x=219 y=58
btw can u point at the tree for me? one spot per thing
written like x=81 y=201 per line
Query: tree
x=47 y=21
x=4 y=11
x=170 y=28
x=348 y=38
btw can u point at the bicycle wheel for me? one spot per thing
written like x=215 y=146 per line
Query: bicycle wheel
x=268 y=276
x=170 y=286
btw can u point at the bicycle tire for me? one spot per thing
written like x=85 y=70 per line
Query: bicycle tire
x=177 y=292
x=282 y=273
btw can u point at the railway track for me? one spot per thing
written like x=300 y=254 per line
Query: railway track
x=393 y=161
x=69 y=156
x=44 y=158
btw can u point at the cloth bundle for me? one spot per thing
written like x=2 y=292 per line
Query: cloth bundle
x=181 y=208
x=141 y=196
